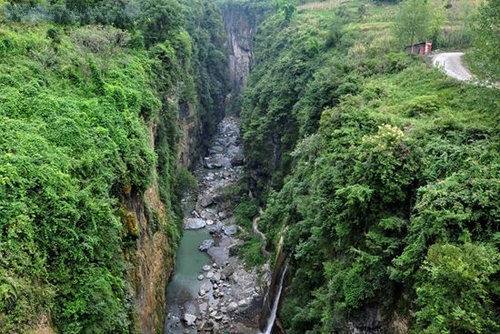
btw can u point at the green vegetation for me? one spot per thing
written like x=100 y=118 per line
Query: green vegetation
x=486 y=42
x=413 y=22
x=385 y=172
x=80 y=108
x=72 y=138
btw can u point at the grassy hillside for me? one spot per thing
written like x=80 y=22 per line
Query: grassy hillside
x=382 y=172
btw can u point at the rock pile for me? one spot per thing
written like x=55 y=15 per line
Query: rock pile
x=222 y=299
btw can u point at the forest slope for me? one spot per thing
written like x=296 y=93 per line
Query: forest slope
x=95 y=101
x=382 y=172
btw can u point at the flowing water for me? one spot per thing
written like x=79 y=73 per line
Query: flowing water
x=274 y=310
x=184 y=285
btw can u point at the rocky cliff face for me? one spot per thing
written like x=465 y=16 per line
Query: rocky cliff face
x=240 y=31
x=190 y=135
x=150 y=257
x=240 y=24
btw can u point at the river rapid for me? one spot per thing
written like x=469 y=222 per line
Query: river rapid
x=211 y=291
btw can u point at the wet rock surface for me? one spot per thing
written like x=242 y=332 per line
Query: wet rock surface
x=228 y=298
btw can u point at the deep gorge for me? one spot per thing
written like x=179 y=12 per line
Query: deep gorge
x=373 y=176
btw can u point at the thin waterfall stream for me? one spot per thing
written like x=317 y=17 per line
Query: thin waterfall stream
x=274 y=309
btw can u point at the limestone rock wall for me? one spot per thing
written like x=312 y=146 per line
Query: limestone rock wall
x=150 y=257
x=241 y=24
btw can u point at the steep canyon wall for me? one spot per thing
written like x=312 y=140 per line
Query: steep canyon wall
x=241 y=21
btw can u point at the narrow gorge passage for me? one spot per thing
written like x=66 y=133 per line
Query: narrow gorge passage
x=213 y=292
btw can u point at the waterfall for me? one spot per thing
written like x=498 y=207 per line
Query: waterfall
x=274 y=310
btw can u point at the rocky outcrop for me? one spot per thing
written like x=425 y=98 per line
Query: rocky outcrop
x=240 y=28
x=367 y=321
x=190 y=134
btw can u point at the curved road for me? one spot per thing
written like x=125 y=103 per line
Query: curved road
x=451 y=64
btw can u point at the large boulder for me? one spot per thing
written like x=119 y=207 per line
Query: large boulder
x=189 y=319
x=205 y=288
x=230 y=230
x=206 y=199
x=206 y=244
x=194 y=223
x=215 y=229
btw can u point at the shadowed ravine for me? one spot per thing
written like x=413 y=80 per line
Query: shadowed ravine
x=214 y=292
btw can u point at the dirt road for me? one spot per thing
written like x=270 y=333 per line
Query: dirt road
x=451 y=64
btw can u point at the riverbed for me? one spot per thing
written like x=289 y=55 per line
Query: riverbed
x=211 y=291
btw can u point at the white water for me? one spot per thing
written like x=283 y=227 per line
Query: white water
x=274 y=310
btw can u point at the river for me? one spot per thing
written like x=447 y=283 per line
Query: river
x=211 y=291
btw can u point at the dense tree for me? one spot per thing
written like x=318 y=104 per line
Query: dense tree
x=457 y=288
x=286 y=7
x=487 y=41
x=413 y=21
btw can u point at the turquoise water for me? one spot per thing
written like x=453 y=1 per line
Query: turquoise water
x=184 y=286
x=189 y=263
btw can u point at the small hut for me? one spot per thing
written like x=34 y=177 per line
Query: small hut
x=422 y=48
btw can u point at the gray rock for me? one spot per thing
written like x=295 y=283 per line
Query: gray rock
x=208 y=213
x=194 y=223
x=215 y=229
x=207 y=267
x=219 y=254
x=215 y=149
x=232 y=307
x=230 y=230
x=206 y=244
x=233 y=150
x=189 y=319
x=205 y=200
x=228 y=270
x=200 y=277
x=203 y=307
x=204 y=289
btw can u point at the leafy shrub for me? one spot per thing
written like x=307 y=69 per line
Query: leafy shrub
x=185 y=182
x=245 y=211
x=422 y=106
x=456 y=287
